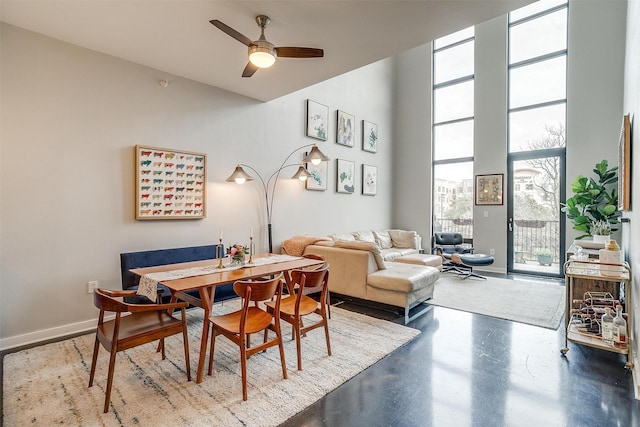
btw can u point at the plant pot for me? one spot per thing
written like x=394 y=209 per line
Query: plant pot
x=601 y=239
x=545 y=259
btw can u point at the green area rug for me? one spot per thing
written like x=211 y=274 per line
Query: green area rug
x=47 y=385
x=534 y=303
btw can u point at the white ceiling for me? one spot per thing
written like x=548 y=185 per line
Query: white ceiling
x=177 y=38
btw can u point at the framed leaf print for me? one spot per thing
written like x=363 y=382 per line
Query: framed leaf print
x=345 y=176
x=318 y=179
x=369 y=136
x=317 y=120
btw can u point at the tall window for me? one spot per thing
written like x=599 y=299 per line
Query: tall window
x=537 y=76
x=536 y=135
x=453 y=88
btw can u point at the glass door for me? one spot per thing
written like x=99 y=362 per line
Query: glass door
x=535 y=223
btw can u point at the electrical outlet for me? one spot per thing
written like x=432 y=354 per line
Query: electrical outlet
x=492 y=251
x=91 y=286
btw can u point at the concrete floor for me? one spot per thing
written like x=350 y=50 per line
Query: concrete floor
x=473 y=370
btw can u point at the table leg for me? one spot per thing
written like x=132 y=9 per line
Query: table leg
x=206 y=295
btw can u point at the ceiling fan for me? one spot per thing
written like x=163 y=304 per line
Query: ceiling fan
x=262 y=53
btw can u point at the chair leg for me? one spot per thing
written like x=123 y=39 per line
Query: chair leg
x=185 y=338
x=162 y=347
x=278 y=332
x=243 y=365
x=112 y=364
x=212 y=350
x=296 y=329
x=96 y=348
x=326 y=335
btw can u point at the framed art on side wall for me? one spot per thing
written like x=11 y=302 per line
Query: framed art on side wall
x=624 y=165
x=317 y=120
x=345 y=129
x=369 y=180
x=369 y=136
x=489 y=189
x=170 y=184
x=318 y=179
x=345 y=176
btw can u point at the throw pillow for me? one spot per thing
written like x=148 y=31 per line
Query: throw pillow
x=403 y=239
x=343 y=236
x=363 y=246
x=383 y=239
x=365 y=236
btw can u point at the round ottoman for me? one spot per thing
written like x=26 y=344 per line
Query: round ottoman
x=472 y=260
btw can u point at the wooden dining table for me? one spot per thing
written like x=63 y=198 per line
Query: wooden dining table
x=206 y=285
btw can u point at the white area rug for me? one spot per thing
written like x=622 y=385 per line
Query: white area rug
x=47 y=385
x=534 y=303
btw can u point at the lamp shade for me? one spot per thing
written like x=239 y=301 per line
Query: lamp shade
x=315 y=156
x=302 y=174
x=239 y=176
x=262 y=54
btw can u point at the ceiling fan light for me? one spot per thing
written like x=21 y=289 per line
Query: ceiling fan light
x=262 y=54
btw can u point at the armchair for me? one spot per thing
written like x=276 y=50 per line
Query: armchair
x=447 y=244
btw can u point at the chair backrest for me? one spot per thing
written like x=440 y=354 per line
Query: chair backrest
x=311 y=279
x=447 y=238
x=259 y=290
x=105 y=302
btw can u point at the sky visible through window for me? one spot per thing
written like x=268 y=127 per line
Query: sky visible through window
x=537 y=90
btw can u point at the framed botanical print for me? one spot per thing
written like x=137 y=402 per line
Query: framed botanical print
x=369 y=180
x=170 y=184
x=489 y=189
x=345 y=129
x=317 y=120
x=369 y=136
x=318 y=179
x=345 y=176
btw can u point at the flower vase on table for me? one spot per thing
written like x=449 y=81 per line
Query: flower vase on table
x=237 y=253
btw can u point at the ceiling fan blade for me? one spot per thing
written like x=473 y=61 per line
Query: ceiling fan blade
x=299 y=52
x=249 y=70
x=233 y=33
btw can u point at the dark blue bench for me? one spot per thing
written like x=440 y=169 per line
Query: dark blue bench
x=130 y=260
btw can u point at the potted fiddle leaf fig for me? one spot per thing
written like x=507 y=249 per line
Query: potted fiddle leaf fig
x=594 y=201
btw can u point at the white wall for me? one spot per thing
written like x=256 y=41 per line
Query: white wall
x=631 y=244
x=412 y=157
x=70 y=119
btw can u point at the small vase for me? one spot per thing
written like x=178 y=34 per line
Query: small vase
x=235 y=262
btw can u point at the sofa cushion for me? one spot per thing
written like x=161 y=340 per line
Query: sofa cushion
x=403 y=277
x=383 y=239
x=343 y=236
x=364 y=236
x=363 y=246
x=403 y=239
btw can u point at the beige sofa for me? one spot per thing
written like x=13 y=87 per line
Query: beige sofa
x=397 y=274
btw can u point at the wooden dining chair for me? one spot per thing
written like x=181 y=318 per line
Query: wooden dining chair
x=145 y=323
x=311 y=290
x=297 y=305
x=251 y=318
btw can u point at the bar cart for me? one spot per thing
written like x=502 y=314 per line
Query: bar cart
x=584 y=309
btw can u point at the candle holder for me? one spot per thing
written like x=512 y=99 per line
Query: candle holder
x=219 y=254
x=251 y=250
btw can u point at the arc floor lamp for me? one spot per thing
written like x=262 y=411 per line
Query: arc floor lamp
x=240 y=176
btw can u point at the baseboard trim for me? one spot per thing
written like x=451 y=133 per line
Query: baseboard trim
x=49 y=334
